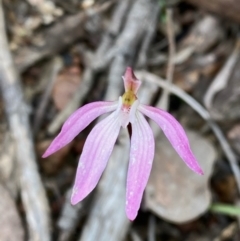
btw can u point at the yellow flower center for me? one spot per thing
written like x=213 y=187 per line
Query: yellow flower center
x=128 y=98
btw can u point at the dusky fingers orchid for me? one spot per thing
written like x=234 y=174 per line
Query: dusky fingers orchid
x=100 y=142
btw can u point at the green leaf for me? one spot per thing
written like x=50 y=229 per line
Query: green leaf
x=225 y=209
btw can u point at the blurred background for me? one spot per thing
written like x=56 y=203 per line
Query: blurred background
x=57 y=55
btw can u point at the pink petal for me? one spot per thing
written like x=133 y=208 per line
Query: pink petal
x=175 y=134
x=79 y=120
x=96 y=152
x=130 y=81
x=141 y=157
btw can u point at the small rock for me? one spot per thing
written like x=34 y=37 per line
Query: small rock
x=174 y=192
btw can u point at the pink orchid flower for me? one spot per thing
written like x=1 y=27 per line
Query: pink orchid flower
x=100 y=142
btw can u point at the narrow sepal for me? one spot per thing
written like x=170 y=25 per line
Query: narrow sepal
x=96 y=152
x=141 y=158
x=78 y=121
x=175 y=134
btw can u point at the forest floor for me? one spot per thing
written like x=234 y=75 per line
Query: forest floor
x=56 y=56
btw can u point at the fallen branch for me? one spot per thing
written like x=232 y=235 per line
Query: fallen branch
x=32 y=191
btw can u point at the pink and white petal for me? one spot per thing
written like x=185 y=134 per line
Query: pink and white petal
x=79 y=120
x=175 y=134
x=141 y=158
x=96 y=152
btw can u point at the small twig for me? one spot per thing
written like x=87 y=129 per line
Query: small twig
x=221 y=80
x=32 y=191
x=164 y=101
x=227 y=232
x=50 y=73
x=171 y=44
x=202 y=112
x=152 y=228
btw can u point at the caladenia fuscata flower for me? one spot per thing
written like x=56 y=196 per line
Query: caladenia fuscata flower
x=100 y=142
